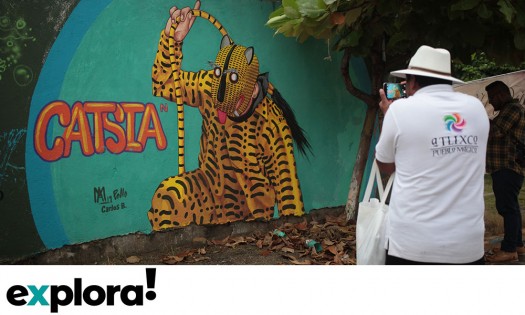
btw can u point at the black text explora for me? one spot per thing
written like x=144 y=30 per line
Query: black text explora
x=93 y=295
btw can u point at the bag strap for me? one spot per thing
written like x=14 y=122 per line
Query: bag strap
x=375 y=178
x=387 y=190
x=371 y=179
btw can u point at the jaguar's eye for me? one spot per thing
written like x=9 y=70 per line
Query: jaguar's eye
x=217 y=72
x=234 y=77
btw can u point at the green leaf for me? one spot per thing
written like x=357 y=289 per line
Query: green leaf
x=277 y=21
x=464 y=5
x=507 y=9
x=317 y=22
x=279 y=11
x=520 y=20
x=291 y=4
x=312 y=13
x=352 y=16
x=310 y=8
x=484 y=12
x=352 y=40
x=303 y=37
x=329 y=2
x=291 y=13
x=396 y=38
x=519 y=41
x=286 y=30
x=321 y=4
x=322 y=17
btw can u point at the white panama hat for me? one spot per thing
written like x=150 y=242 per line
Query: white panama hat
x=429 y=62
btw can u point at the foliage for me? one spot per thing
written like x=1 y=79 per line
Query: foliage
x=397 y=28
x=481 y=67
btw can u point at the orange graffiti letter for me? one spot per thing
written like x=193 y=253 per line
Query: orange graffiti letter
x=113 y=146
x=151 y=118
x=61 y=109
x=78 y=130
x=98 y=109
x=131 y=109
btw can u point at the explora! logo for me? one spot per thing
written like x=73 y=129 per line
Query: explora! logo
x=94 y=295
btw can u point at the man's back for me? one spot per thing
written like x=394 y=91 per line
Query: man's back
x=437 y=139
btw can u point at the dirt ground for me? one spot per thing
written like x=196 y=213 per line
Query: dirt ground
x=337 y=246
x=243 y=254
x=322 y=238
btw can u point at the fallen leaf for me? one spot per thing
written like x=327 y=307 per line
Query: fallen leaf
x=337 y=259
x=339 y=220
x=250 y=239
x=302 y=226
x=221 y=242
x=316 y=229
x=328 y=242
x=303 y=253
x=294 y=260
x=287 y=250
x=200 y=240
x=267 y=240
x=288 y=243
x=288 y=226
x=277 y=247
x=265 y=252
x=332 y=249
x=236 y=241
x=133 y=260
x=172 y=260
x=185 y=253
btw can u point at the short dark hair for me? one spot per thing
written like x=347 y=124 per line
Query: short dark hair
x=498 y=86
x=426 y=81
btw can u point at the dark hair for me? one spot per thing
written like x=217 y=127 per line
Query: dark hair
x=498 y=86
x=426 y=81
x=298 y=133
x=501 y=89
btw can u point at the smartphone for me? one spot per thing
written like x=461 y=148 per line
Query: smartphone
x=394 y=90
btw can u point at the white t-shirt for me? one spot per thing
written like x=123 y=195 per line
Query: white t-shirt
x=437 y=139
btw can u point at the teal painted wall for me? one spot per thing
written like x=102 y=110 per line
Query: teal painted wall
x=103 y=51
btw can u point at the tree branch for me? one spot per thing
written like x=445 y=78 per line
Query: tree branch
x=349 y=84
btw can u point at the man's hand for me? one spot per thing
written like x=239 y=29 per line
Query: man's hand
x=186 y=20
x=384 y=104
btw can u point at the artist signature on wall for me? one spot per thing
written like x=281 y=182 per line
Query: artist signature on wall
x=113 y=200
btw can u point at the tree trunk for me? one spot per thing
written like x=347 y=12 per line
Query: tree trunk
x=352 y=201
x=372 y=102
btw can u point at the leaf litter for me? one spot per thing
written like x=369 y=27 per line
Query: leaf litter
x=334 y=240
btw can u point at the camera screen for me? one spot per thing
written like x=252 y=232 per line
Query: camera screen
x=394 y=90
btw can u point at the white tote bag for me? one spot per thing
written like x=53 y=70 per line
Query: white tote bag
x=371 y=218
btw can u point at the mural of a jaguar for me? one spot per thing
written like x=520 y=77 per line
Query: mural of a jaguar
x=246 y=160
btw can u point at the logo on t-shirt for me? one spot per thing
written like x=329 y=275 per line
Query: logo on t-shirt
x=454 y=122
x=456 y=142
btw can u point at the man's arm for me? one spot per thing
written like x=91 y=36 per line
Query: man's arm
x=384 y=104
x=386 y=168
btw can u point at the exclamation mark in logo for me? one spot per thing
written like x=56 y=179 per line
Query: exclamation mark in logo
x=150 y=281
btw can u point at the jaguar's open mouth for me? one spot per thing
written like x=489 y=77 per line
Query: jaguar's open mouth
x=223 y=116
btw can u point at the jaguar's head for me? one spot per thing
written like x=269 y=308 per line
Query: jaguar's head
x=235 y=72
